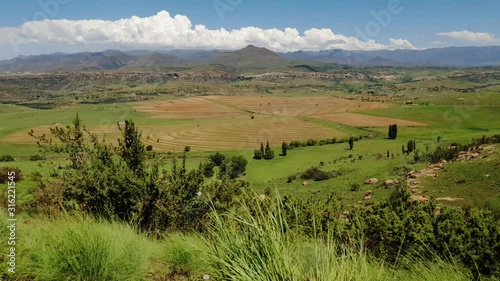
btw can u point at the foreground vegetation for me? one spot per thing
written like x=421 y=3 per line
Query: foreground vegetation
x=113 y=201
x=129 y=208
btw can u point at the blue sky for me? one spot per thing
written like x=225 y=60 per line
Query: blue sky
x=423 y=24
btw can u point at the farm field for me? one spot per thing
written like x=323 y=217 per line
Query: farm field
x=239 y=124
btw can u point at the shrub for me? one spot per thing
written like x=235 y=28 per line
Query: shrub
x=208 y=169
x=257 y=154
x=295 y=144
x=233 y=167
x=37 y=157
x=316 y=174
x=6 y=158
x=355 y=187
x=149 y=147
x=187 y=148
x=311 y=142
x=217 y=158
x=6 y=172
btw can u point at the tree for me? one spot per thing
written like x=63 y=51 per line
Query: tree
x=351 y=143
x=187 y=148
x=233 y=167
x=284 y=148
x=72 y=142
x=131 y=148
x=262 y=148
x=410 y=146
x=393 y=131
x=217 y=158
x=257 y=154
x=388 y=155
x=268 y=153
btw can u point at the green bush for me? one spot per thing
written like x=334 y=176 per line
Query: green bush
x=37 y=157
x=6 y=158
x=314 y=173
x=311 y=142
x=217 y=158
x=233 y=167
x=257 y=154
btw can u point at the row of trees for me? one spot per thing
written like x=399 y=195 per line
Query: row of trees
x=263 y=153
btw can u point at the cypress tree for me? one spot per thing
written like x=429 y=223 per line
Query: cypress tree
x=284 y=148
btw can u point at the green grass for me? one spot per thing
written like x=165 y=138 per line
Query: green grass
x=475 y=181
x=80 y=249
x=259 y=244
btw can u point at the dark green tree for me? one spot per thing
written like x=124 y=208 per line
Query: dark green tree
x=410 y=146
x=257 y=154
x=233 y=167
x=262 y=148
x=268 y=153
x=284 y=148
x=217 y=158
x=131 y=148
x=393 y=131
x=351 y=143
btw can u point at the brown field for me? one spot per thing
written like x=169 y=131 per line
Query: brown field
x=213 y=134
x=295 y=106
x=361 y=120
x=225 y=123
x=189 y=108
x=243 y=106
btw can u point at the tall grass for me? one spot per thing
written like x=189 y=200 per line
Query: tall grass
x=180 y=255
x=257 y=243
x=82 y=249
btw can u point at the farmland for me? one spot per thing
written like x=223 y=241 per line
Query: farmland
x=184 y=122
x=243 y=117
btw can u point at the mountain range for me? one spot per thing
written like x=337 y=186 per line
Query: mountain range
x=250 y=57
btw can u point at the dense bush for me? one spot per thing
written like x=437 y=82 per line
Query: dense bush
x=314 y=173
x=6 y=174
x=37 y=157
x=233 y=167
x=295 y=144
x=311 y=142
x=257 y=154
x=217 y=158
x=6 y=158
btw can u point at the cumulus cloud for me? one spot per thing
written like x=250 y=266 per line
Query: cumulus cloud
x=164 y=31
x=476 y=37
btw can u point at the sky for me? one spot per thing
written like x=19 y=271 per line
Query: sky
x=30 y=27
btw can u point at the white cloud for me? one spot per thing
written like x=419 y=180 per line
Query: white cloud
x=164 y=31
x=477 y=37
x=400 y=44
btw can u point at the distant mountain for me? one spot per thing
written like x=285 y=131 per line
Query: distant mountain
x=251 y=57
x=451 y=56
x=87 y=61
